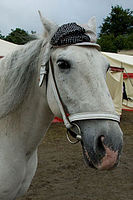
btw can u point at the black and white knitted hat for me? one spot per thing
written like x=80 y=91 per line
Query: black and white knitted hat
x=68 y=34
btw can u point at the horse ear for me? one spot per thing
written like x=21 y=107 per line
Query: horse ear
x=49 y=26
x=92 y=24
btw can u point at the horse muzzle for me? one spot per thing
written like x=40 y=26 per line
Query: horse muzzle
x=101 y=142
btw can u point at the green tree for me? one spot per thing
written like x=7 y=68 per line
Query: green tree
x=117 y=30
x=2 y=36
x=118 y=22
x=19 y=36
x=107 y=43
x=129 y=42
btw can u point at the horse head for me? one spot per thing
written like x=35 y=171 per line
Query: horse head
x=77 y=91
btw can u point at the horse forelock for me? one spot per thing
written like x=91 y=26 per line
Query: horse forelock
x=16 y=75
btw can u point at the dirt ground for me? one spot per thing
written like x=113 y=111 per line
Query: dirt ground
x=63 y=175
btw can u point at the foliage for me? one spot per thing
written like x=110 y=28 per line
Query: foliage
x=1 y=36
x=117 y=30
x=118 y=22
x=110 y=43
x=19 y=36
x=107 y=43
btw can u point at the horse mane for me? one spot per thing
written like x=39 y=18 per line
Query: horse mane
x=16 y=74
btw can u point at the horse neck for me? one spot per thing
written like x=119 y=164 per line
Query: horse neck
x=36 y=115
x=28 y=124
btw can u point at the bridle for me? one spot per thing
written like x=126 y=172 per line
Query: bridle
x=69 y=120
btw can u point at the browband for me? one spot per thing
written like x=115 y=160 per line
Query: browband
x=90 y=44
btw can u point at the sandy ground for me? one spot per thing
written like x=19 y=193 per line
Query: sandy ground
x=63 y=175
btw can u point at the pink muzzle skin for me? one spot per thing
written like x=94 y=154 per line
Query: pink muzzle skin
x=109 y=160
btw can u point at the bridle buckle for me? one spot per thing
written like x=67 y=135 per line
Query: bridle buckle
x=75 y=134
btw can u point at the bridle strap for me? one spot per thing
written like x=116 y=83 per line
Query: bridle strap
x=68 y=121
x=92 y=116
x=90 y=44
x=57 y=96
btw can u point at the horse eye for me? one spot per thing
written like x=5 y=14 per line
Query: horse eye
x=63 y=64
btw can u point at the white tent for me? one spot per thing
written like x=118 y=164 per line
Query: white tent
x=120 y=60
x=6 y=47
x=120 y=80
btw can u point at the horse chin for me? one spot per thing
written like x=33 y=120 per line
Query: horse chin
x=87 y=159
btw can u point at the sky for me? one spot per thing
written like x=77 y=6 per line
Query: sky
x=24 y=13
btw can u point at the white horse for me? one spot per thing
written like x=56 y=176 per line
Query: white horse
x=72 y=81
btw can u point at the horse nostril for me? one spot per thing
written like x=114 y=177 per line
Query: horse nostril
x=100 y=147
x=100 y=142
x=102 y=138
